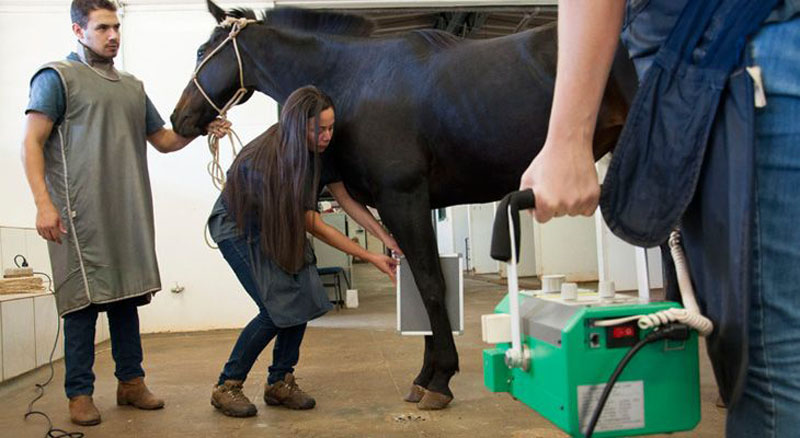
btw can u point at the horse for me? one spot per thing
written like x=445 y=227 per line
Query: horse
x=424 y=120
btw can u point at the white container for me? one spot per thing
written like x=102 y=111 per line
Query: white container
x=351 y=299
x=606 y=289
x=552 y=283
x=569 y=291
x=496 y=328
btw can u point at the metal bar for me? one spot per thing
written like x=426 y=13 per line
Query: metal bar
x=642 y=274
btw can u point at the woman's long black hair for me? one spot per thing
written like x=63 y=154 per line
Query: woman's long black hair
x=272 y=192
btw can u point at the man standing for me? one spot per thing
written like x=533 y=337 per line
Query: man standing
x=85 y=156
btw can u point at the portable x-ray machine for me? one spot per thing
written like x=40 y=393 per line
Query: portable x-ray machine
x=594 y=364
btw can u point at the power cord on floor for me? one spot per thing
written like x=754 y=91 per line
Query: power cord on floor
x=673 y=331
x=52 y=432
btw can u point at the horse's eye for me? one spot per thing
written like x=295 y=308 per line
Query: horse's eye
x=199 y=53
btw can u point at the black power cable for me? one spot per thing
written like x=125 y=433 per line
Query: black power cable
x=24 y=263
x=52 y=432
x=674 y=331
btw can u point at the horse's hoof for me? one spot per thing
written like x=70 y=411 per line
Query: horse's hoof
x=414 y=394
x=433 y=401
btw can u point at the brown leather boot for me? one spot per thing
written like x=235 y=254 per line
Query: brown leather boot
x=135 y=393
x=230 y=399
x=82 y=411
x=287 y=393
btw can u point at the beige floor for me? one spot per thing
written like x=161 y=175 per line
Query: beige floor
x=352 y=361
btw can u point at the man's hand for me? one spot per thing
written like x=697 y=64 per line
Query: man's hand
x=219 y=128
x=48 y=223
x=563 y=179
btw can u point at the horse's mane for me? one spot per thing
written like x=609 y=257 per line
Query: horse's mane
x=310 y=21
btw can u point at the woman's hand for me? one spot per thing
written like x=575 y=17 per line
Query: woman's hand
x=385 y=264
x=392 y=245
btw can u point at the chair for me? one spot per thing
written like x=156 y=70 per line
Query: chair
x=334 y=274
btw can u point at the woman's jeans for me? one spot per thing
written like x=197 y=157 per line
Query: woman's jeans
x=770 y=403
x=260 y=331
x=79 y=333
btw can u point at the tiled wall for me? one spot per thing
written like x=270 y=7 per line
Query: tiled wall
x=28 y=322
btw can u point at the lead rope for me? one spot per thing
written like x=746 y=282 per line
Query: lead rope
x=214 y=167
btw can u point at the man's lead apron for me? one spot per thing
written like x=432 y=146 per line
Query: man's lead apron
x=96 y=170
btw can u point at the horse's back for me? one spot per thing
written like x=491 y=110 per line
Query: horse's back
x=449 y=110
x=487 y=113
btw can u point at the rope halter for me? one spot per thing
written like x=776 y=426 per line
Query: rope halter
x=236 y=25
x=214 y=167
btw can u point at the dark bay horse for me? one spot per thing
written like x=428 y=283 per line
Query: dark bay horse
x=423 y=120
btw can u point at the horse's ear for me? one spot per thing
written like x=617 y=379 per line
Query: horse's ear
x=218 y=13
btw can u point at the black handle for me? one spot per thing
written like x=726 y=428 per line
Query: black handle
x=501 y=242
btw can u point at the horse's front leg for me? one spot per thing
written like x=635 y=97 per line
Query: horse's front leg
x=407 y=214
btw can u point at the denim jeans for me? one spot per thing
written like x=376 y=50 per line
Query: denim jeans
x=770 y=403
x=260 y=331
x=126 y=345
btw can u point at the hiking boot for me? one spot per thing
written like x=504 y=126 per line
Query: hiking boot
x=82 y=411
x=230 y=399
x=135 y=393
x=287 y=393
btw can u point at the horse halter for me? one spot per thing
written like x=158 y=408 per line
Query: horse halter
x=236 y=24
x=214 y=168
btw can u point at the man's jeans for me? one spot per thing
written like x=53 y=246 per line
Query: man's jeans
x=260 y=331
x=770 y=403
x=126 y=345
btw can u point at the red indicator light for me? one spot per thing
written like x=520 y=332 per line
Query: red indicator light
x=622 y=332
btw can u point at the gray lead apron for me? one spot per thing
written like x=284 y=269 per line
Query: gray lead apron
x=96 y=171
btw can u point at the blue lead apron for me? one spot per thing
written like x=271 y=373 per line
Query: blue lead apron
x=686 y=156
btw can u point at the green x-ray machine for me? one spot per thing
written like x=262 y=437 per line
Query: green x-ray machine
x=558 y=349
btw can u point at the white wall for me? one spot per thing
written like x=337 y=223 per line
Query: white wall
x=159 y=43
x=444 y=230
x=480 y=217
x=619 y=264
x=452 y=232
x=23 y=50
x=567 y=245
x=460 y=230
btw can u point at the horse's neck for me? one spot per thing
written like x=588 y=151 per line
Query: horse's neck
x=286 y=61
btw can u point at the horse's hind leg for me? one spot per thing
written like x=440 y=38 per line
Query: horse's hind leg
x=407 y=214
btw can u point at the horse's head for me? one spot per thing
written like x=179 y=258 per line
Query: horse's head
x=221 y=78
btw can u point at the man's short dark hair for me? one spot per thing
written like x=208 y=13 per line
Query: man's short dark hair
x=80 y=10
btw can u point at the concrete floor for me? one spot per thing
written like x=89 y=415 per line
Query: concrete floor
x=352 y=361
